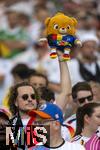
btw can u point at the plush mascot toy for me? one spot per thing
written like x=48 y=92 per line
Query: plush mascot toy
x=60 y=31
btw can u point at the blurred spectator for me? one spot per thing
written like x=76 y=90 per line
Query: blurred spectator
x=90 y=5
x=88 y=23
x=45 y=3
x=88 y=121
x=38 y=80
x=86 y=66
x=21 y=6
x=21 y=72
x=13 y=38
x=37 y=28
x=24 y=21
x=29 y=6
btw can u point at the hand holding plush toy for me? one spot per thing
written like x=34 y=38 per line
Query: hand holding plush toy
x=60 y=31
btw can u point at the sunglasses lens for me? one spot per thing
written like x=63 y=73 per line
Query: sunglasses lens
x=90 y=98
x=33 y=96
x=81 y=100
x=25 y=96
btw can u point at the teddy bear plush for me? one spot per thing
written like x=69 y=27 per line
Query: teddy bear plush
x=60 y=32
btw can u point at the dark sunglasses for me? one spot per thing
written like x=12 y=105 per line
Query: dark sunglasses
x=82 y=100
x=26 y=96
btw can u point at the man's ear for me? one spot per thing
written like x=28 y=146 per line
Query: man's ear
x=47 y=21
x=86 y=118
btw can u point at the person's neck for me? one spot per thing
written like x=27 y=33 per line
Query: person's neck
x=23 y=115
x=56 y=140
x=87 y=132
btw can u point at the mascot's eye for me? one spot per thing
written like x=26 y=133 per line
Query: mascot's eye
x=55 y=26
x=68 y=27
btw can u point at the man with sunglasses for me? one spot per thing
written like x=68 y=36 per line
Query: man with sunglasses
x=23 y=98
x=81 y=94
x=53 y=119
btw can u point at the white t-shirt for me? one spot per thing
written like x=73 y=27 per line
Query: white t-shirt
x=65 y=146
x=80 y=139
x=69 y=131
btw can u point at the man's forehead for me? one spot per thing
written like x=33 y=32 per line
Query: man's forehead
x=83 y=92
x=25 y=88
x=37 y=78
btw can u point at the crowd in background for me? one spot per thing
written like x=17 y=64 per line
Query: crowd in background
x=24 y=58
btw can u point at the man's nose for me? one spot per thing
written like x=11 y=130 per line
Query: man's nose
x=29 y=99
x=36 y=86
x=86 y=101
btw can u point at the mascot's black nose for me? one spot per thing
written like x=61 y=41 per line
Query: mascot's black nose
x=63 y=28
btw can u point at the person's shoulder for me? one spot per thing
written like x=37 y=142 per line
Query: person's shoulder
x=74 y=146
